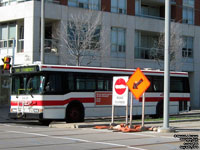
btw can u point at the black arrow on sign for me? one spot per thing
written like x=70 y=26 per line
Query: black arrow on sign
x=136 y=84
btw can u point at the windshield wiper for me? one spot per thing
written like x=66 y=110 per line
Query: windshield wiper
x=30 y=92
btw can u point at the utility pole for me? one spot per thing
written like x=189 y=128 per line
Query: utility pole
x=166 y=127
x=42 y=31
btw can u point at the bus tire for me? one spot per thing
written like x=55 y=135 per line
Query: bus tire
x=75 y=112
x=159 y=109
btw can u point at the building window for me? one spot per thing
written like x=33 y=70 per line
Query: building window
x=148 y=10
x=137 y=7
x=21 y=40
x=118 y=46
x=145 y=45
x=188 y=11
x=118 y=6
x=187 y=50
x=83 y=37
x=88 y=4
x=7 y=34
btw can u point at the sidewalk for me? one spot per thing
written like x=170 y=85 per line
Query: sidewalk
x=100 y=122
x=4 y=110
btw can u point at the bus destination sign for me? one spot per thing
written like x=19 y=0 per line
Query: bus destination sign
x=26 y=69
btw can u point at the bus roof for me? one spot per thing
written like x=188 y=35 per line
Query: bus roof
x=105 y=70
x=63 y=68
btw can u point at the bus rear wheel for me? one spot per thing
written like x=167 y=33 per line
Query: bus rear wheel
x=75 y=112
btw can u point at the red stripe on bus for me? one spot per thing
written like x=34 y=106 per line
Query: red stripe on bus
x=157 y=99
x=88 y=100
x=110 y=69
x=54 y=102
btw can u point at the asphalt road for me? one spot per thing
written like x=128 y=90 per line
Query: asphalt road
x=32 y=136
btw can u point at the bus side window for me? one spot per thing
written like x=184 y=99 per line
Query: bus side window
x=100 y=83
x=54 y=84
x=150 y=89
x=176 y=84
x=85 y=82
x=158 y=84
x=70 y=82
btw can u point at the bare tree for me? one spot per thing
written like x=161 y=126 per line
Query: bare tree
x=176 y=44
x=81 y=37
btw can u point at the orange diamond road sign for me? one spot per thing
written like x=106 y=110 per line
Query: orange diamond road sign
x=138 y=83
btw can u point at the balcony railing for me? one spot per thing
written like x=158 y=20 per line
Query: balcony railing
x=149 y=53
x=150 y=16
x=51 y=46
x=20 y=46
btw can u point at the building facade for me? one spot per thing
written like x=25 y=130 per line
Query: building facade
x=130 y=27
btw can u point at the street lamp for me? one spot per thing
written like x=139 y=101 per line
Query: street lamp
x=166 y=127
x=42 y=31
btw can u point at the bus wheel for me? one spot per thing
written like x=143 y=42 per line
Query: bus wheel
x=159 y=109
x=75 y=112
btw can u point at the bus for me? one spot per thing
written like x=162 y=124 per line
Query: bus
x=71 y=93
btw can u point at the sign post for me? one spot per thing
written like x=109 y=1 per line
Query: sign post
x=137 y=84
x=119 y=93
x=127 y=111
x=131 y=111
x=143 y=108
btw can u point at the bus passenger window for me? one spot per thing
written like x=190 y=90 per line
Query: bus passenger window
x=54 y=84
x=158 y=84
x=70 y=82
x=100 y=85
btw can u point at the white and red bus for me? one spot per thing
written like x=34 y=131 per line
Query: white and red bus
x=71 y=93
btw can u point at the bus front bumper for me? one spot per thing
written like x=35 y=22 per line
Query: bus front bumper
x=34 y=116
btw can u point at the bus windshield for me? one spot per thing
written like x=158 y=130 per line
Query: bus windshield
x=27 y=84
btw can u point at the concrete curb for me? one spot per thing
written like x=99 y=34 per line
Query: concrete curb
x=93 y=124
x=77 y=125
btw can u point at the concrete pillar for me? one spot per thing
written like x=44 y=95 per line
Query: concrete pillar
x=195 y=89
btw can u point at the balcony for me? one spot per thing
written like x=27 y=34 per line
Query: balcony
x=6 y=46
x=151 y=8
x=51 y=46
x=149 y=53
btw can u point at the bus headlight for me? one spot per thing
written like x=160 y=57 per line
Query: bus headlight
x=13 y=110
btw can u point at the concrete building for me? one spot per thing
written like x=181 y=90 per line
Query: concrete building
x=131 y=27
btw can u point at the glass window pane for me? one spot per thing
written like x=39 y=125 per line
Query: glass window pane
x=191 y=2
x=94 y=4
x=176 y=85
x=83 y=1
x=121 y=37
x=90 y=84
x=113 y=3
x=190 y=42
x=184 y=13
x=122 y=4
x=4 y=33
x=100 y=84
x=114 y=37
x=72 y=3
x=185 y=2
x=137 y=7
x=114 y=48
x=158 y=84
x=12 y=32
